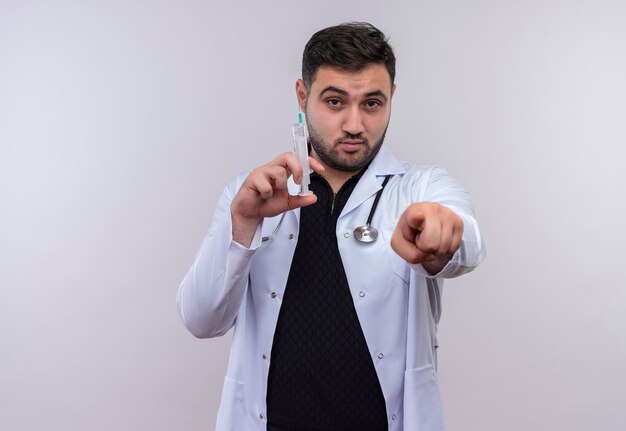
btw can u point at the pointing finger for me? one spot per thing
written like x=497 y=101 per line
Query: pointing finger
x=407 y=250
x=430 y=237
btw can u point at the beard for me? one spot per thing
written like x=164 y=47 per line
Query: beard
x=330 y=155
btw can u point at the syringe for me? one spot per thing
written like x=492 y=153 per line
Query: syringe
x=302 y=152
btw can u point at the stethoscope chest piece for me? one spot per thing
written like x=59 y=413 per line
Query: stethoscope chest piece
x=366 y=233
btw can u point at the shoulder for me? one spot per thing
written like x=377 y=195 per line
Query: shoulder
x=421 y=175
x=386 y=163
x=419 y=181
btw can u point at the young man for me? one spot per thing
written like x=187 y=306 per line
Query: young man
x=332 y=333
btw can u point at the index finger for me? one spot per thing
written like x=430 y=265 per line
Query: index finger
x=289 y=162
x=316 y=165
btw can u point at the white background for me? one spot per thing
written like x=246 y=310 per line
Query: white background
x=121 y=121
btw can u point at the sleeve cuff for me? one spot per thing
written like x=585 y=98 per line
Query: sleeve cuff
x=254 y=245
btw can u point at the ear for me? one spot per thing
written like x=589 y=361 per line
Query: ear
x=393 y=89
x=301 y=93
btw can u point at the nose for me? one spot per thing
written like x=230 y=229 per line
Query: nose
x=353 y=123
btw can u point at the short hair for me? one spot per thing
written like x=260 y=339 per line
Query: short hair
x=351 y=46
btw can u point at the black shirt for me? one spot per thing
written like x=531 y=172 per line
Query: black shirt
x=321 y=377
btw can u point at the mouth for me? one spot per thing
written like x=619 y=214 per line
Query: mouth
x=351 y=145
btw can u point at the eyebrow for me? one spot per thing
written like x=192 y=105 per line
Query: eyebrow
x=331 y=89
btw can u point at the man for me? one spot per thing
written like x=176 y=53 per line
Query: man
x=332 y=333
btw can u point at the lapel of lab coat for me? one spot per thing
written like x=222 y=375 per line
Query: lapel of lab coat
x=383 y=164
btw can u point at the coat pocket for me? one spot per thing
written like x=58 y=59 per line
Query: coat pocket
x=422 y=401
x=231 y=412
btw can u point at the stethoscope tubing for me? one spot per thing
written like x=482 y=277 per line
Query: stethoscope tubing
x=376 y=199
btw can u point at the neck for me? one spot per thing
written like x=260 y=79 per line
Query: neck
x=337 y=179
x=334 y=177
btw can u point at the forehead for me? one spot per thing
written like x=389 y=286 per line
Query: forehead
x=373 y=78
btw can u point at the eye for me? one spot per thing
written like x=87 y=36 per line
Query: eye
x=373 y=105
x=334 y=103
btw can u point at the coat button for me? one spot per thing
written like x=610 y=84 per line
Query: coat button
x=290 y=236
x=346 y=235
x=380 y=356
x=361 y=294
x=264 y=356
x=393 y=417
x=273 y=294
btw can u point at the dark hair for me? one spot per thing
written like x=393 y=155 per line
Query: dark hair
x=350 y=46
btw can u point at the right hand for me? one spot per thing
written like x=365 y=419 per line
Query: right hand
x=264 y=193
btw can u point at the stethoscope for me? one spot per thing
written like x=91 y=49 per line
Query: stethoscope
x=365 y=234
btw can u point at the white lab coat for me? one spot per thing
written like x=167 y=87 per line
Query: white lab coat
x=398 y=304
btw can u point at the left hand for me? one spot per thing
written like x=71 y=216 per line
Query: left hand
x=427 y=233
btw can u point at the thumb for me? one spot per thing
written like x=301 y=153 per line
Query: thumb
x=297 y=201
